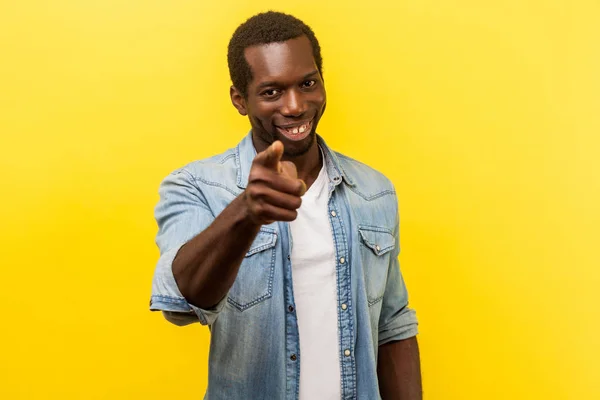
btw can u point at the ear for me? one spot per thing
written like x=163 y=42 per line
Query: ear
x=238 y=100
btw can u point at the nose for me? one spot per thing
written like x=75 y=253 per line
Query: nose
x=293 y=104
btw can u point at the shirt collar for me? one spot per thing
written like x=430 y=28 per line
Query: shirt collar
x=245 y=153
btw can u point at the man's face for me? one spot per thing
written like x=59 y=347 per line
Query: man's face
x=286 y=96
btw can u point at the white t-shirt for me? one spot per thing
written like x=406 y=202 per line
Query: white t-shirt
x=315 y=294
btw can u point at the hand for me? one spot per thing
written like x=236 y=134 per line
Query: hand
x=274 y=190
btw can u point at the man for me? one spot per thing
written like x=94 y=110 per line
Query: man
x=286 y=249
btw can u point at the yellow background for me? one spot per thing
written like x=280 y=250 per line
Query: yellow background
x=485 y=114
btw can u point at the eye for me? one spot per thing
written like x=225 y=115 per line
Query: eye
x=309 y=83
x=270 y=93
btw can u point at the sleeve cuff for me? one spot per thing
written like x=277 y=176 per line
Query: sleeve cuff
x=402 y=327
x=180 y=305
x=167 y=297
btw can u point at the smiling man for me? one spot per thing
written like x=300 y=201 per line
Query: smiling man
x=285 y=248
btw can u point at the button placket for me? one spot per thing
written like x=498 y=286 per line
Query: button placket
x=337 y=212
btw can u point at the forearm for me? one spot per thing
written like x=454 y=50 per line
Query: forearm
x=399 y=370
x=206 y=266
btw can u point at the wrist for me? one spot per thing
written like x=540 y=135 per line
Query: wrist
x=244 y=216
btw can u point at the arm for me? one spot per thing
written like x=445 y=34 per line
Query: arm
x=206 y=266
x=399 y=370
x=398 y=365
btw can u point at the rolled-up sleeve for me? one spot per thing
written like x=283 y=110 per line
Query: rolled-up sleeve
x=181 y=213
x=397 y=321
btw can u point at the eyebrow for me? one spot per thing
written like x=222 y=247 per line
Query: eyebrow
x=274 y=83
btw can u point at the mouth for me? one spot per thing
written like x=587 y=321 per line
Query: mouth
x=296 y=131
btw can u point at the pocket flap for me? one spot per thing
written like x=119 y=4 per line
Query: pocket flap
x=264 y=240
x=379 y=240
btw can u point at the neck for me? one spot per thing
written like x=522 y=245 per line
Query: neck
x=308 y=164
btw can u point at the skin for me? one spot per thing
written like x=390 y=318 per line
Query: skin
x=399 y=370
x=286 y=91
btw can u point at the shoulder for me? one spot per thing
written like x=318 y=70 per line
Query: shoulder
x=215 y=171
x=366 y=180
x=222 y=161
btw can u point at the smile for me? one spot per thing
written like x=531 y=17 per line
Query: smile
x=296 y=131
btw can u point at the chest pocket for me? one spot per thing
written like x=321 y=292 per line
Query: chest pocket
x=254 y=282
x=376 y=245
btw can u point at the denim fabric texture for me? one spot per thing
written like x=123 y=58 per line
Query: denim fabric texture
x=254 y=349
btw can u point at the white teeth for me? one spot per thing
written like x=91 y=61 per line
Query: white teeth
x=297 y=129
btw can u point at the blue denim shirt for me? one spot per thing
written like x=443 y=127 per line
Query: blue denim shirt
x=254 y=349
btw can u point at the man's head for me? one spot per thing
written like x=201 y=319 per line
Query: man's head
x=275 y=65
x=265 y=28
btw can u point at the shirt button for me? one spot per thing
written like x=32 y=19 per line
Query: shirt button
x=347 y=353
x=291 y=308
x=293 y=357
x=288 y=257
x=377 y=247
x=342 y=260
x=344 y=306
x=333 y=214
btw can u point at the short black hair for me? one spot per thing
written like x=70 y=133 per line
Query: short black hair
x=264 y=28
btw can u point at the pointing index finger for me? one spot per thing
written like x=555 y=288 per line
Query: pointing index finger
x=273 y=156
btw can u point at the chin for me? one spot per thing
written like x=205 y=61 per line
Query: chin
x=298 y=148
